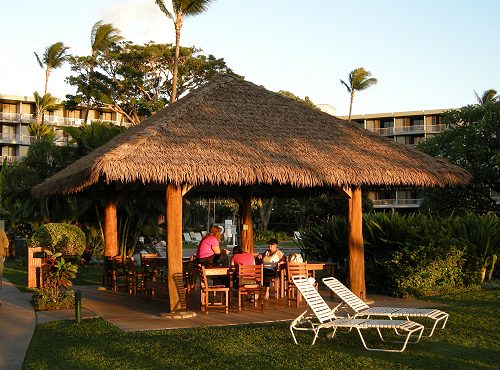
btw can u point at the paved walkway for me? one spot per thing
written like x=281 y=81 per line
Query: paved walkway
x=17 y=324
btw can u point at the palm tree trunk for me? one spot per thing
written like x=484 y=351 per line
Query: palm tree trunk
x=178 y=26
x=350 y=106
x=47 y=73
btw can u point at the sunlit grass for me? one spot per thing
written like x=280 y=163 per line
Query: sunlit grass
x=470 y=341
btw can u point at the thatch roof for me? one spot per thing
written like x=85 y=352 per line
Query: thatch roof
x=233 y=132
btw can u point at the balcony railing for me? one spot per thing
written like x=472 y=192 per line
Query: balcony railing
x=15 y=139
x=395 y=203
x=54 y=120
x=402 y=130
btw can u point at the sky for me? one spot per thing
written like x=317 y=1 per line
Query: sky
x=426 y=54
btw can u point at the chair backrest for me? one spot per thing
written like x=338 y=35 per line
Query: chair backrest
x=250 y=274
x=297 y=236
x=296 y=269
x=351 y=299
x=187 y=237
x=197 y=236
x=315 y=301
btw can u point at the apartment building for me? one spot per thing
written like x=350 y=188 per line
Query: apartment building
x=408 y=128
x=16 y=112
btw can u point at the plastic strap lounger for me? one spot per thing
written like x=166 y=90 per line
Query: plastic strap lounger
x=361 y=309
x=324 y=318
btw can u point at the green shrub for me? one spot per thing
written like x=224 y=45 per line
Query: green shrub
x=46 y=302
x=428 y=270
x=63 y=238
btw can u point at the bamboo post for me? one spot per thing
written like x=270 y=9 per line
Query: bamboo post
x=356 y=248
x=174 y=244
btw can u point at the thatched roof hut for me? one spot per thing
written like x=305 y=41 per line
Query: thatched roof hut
x=232 y=132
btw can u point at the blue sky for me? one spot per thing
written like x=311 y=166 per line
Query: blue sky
x=425 y=54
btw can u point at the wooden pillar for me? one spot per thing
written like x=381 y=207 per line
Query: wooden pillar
x=174 y=245
x=110 y=228
x=246 y=224
x=356 y=248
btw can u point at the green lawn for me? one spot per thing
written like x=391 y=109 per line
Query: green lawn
x=470 y=341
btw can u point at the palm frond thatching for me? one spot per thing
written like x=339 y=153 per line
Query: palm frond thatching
x=233 y=132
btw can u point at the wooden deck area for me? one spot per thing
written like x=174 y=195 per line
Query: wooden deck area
x=135 y=312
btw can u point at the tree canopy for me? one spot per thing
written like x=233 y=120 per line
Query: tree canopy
x=136 y=80
x=472 y=141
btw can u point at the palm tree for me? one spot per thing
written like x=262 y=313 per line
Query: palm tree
x=54 y=57
x=181 y=8
x=45 y=103
x=488 y=96
x=359 y=79
x=102 y=37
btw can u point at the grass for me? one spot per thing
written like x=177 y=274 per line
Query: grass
x=470 y=341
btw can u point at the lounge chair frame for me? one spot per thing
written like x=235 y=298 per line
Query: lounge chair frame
x=361 y=309
x=323 y=317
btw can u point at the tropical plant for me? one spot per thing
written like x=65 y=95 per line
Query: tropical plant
x=57 y=273
x=359 y=79
x=483 y=233
x=46 y=103
x=54 y=57
x=306 y=100
x=487 y=96
x=90 y=136
x=181 y=8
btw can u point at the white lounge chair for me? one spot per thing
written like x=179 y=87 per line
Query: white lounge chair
x=361 y=309
x=187 y=238
x=323 y=317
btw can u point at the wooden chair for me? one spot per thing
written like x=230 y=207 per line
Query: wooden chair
x=294 y=269
x=215 y=290
x=118 y=272
x=134 y=278
x=149 y=267
x=249 y=282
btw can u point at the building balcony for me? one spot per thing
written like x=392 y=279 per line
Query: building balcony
x=15 y=139
x=397 y=203
x=54 y=120
x=405 y=130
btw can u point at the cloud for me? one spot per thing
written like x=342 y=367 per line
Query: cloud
x=139 y=21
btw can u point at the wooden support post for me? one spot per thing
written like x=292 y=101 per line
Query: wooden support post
x=356 y=248
x=246 y=224
x=174 y=245
x=110 y=228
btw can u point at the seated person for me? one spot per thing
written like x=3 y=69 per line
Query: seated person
x=241 y=258
x=208 y=251
x=271 y=260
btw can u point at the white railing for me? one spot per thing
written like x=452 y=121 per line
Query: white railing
x=434 y=129
x=385 y=131
x=54 y=120
x=407 y=129
x=390 y=203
